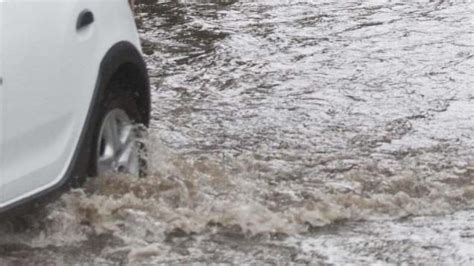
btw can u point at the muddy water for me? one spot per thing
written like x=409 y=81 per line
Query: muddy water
x=286 y=132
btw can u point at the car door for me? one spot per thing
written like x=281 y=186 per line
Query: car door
x=47 y=88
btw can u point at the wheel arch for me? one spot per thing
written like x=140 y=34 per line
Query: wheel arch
x=123 y=68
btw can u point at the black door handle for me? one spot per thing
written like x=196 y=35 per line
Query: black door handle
x=85 y=18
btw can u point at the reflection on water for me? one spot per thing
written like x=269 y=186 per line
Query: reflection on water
x=278 y=128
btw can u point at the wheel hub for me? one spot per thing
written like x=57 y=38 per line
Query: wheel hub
x=117 y=150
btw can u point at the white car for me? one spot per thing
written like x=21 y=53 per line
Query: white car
x=73 y=86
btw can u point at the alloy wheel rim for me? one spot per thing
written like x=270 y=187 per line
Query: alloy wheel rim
x=117 y=150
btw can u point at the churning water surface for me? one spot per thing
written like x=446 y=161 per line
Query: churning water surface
x=286 y=132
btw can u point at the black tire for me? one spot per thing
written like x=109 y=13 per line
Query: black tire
x=126 y=102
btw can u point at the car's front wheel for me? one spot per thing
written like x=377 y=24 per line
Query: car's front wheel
x=117 y=147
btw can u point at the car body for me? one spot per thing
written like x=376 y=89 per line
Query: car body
x=58 y=63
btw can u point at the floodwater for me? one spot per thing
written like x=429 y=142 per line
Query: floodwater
x=286 y=132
